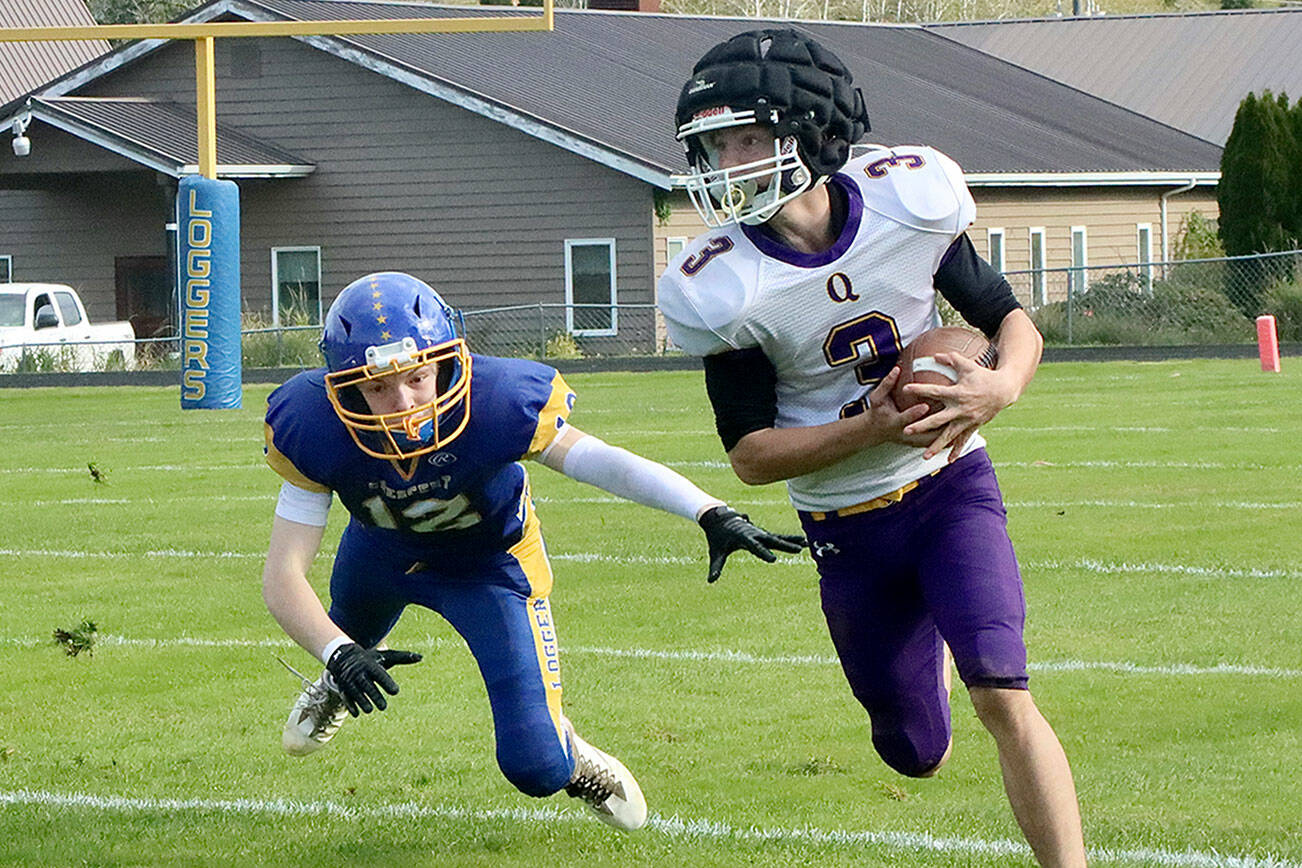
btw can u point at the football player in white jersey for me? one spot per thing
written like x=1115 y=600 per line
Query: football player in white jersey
x=817 y=271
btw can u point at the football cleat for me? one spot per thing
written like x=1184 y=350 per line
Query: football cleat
x=316 y=716
x=610 y=790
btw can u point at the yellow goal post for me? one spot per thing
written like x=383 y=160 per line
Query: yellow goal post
x=204 y=32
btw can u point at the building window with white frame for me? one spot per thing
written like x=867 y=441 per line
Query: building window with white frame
x=590 y=286
x=295 y=286
x=673 y=246
x=995 y=244
x=1144 y=238
x=6 y=269
x=1037 y=266
x=1078 y=277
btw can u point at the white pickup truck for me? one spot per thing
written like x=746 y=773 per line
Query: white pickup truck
x=46 y=324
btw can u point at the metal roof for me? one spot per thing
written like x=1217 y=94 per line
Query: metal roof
x=27 y=65
x=1190 y=70
x=603 y=84
x=163 y=136
x=612 y=78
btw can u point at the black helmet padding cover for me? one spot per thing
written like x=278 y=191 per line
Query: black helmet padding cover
x=788 y=80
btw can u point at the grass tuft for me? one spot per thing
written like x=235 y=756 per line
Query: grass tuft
x=78 y=639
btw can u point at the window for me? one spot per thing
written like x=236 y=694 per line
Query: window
x=1037 y=266
x=1078 y=278
x=295 y=286
x=11 y=310
x=6 y=269
x=68 y=307
x=590 y=286
x=995 y=239
x=43 y=304
x=673 y=247
x=1144 y=235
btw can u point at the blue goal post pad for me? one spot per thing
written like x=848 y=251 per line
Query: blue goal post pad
x=208 y=266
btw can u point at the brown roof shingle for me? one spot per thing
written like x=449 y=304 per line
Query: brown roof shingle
x=25 y=66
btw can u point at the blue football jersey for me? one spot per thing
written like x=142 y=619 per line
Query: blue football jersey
x=466 y=499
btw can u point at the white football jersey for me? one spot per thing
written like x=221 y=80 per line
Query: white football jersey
x=832 y=323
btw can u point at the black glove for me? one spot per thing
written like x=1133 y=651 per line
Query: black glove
x=727 y=530
x=359 y=672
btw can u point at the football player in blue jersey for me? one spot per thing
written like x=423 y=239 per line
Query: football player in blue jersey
x=421 y=441
x=817 y=270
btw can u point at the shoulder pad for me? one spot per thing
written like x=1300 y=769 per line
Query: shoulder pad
x=914 y=185
x=303 y=433
x=704 y=291
x=509 y=398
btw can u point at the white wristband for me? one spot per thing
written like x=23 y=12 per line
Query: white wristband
x=332 y=646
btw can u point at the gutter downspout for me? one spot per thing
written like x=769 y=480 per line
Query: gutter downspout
x=1166 y=253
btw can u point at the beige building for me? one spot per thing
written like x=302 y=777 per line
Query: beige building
x=533 y=181
x=1024 y=226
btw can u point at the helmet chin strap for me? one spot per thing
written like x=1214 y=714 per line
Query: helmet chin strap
x=417 y=430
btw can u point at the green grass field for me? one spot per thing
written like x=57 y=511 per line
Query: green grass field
x=1154 y=507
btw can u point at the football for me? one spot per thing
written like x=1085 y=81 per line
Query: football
x=918 y=364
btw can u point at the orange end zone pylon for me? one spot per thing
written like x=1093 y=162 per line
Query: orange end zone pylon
x=1268 y=343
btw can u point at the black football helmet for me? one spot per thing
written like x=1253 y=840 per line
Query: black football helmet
x=780 y=79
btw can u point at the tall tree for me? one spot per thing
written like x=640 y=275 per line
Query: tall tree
x=138 y=11
x=1258 y=177
x=1257 y=193
x=1295 y=120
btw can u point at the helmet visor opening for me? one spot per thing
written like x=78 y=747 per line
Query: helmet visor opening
x=414 y=431
x=749 y=193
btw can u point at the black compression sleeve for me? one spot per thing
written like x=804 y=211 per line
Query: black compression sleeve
x=742 y=386
x=980 y=294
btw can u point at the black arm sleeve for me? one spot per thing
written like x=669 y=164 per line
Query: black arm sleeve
x=978 y=292
x=742 y=386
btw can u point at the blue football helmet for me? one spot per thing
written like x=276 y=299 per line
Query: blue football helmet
x=386 y=325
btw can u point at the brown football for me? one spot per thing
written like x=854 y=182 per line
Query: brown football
x=918 y=365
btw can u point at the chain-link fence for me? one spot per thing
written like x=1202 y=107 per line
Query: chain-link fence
x=1193 y=301
x=564 y=331
x=1189 y=302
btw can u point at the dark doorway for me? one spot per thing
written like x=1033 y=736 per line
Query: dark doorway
x=144 y=294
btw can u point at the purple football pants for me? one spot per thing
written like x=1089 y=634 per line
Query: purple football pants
x=900 y=581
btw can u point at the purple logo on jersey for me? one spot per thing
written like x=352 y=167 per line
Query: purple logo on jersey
x=877 y=168
x=840 y=289
x=692 y=264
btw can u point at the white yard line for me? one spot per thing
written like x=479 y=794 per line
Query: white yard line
x=1095 y=566
x=695 y=656
x=1013 y=427
x=672 y=827
x=124 y=468
x=1137 y=504
x=1124 y=465
x=270 y=496
x=1087 y=564
x=1169 y=465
